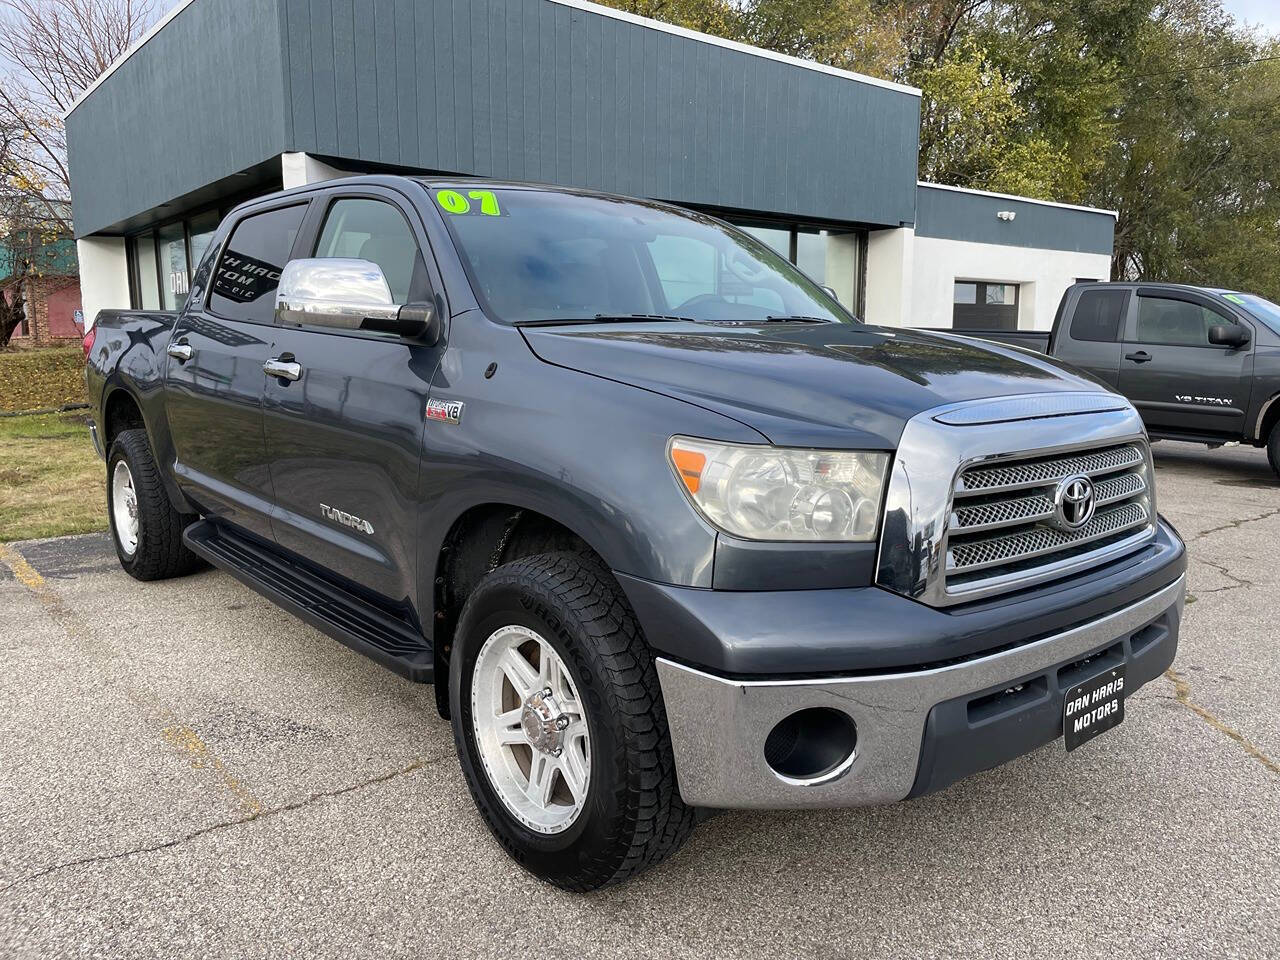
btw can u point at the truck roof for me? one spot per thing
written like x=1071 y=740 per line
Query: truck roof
x=454 y=180
x=1162 y=285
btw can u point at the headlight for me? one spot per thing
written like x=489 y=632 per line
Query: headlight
x=772 y=493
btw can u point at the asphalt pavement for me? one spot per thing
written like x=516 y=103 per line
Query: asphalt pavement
x=186 y=771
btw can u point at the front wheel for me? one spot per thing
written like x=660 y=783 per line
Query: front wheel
x=560 y=726
x=1273 y=449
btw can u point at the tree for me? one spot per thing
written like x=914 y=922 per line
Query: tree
x=1164 y=110
x=54 y=50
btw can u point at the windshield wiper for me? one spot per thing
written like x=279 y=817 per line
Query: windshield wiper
x=799 y=320
x=623 y=317
x=605 y=318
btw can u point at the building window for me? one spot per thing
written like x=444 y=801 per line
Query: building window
x=146 y=276
x=833 y=258
x=171 y=241
x=985 y=305
x=162 y=260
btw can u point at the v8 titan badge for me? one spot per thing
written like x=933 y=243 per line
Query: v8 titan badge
x=1093 y=707
x=445 y=411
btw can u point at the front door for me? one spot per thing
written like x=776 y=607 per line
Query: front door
x=213 y=377
x=345 y=437
x=1181 y=383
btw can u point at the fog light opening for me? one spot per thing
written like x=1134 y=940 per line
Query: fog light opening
x=811 y=746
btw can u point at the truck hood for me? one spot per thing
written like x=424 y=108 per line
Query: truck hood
x=799 y=384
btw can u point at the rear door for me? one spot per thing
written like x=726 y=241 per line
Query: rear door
x=345 y=438
x=214 y=380
x=1089 y=331
x=1181 y=383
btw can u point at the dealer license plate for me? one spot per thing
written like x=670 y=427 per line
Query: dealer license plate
x=1093 y=707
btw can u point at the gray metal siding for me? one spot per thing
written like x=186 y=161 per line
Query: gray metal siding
x=534 y=90
x=203 y=99
x=519 y=89
x=952 y=215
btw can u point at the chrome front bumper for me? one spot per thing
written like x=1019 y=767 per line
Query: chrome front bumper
x=719 y=726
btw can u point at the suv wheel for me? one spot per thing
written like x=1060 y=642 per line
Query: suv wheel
x=1273 y=449
x=560 y=726
x=147 y=530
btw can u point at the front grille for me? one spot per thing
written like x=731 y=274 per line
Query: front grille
x=1002 y=527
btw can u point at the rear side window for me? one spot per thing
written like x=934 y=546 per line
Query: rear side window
x=1098 y=315
x=245 y=281
x=1176 y=322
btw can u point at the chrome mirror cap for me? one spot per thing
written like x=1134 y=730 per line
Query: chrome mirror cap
x=333 y=292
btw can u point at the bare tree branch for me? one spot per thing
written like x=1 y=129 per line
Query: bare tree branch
x=53 y=50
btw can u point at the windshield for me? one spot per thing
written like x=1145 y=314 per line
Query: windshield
x=540 y=255
x=1259 y=307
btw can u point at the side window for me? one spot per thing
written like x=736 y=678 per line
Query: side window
x=1098 y=315
x=1177 y=322
x=374 y=230
x=245 y=281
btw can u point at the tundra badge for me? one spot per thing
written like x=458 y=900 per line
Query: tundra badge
x=346 y=519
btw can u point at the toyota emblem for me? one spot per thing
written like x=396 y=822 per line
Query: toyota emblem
x=1074 y=502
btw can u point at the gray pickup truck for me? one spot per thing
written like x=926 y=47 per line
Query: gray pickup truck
x=1200 y=364
x=665 y=525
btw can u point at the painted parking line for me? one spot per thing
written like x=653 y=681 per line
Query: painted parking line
x=170 y=728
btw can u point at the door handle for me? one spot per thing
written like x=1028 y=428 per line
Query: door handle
x=286 y=369
x=1140 y=356
x=181 y=352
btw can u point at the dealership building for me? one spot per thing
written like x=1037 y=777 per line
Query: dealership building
x=224 y=100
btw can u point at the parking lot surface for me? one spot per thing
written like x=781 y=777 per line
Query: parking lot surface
x=186 y=771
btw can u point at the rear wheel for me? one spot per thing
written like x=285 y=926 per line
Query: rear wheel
x=146 y=528
x=560 y=726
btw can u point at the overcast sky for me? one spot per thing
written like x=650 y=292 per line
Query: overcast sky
x=1264 y=13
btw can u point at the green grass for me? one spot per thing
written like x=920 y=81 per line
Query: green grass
x=51 y=481
x=41 y=379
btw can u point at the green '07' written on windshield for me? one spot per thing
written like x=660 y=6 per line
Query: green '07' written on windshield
x=458 y=204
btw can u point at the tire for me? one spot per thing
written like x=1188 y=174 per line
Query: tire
x=1273 y=449
x=632 y=816
x=154 y=551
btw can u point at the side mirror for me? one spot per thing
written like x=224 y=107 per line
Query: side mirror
x=1228 y=335
x=349 y=294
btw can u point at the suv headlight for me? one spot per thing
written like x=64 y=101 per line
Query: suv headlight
x=760 y=492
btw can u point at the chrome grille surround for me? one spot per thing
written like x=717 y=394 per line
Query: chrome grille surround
x=970 y=500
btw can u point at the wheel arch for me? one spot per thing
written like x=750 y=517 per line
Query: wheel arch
x=480 y=538
x=120 y=411
x=1268 y=417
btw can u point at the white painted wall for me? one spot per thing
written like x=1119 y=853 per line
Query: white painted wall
x=911 y=279
x=104 y=276
x=890 y=261
x=299 y=169
x=1043 y=275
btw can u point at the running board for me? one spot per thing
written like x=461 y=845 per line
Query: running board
x=380 y=636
